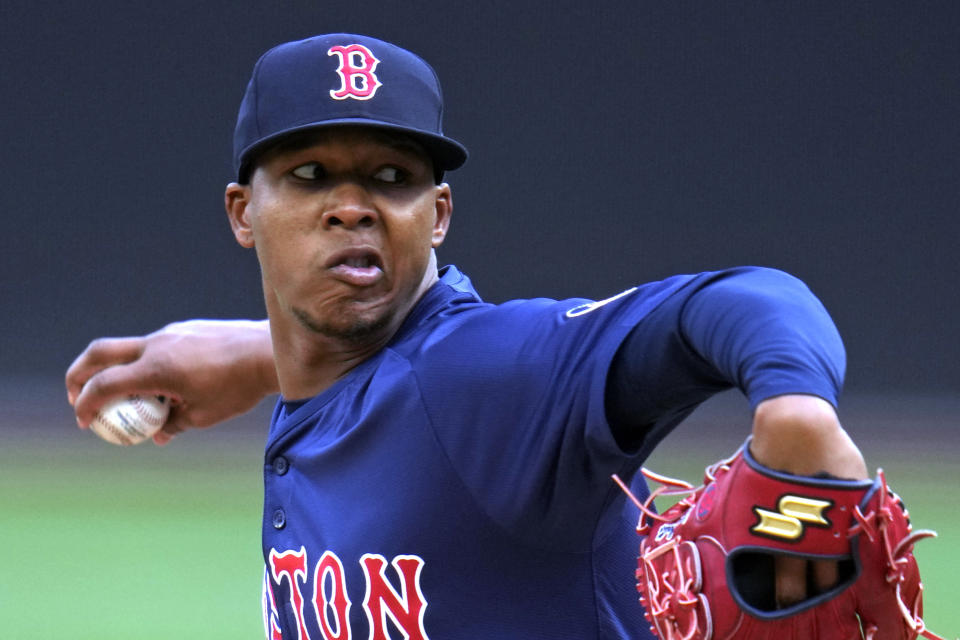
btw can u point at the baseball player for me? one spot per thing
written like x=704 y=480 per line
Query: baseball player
x=438 y=466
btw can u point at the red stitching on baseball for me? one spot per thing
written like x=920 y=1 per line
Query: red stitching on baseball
x=140 y=407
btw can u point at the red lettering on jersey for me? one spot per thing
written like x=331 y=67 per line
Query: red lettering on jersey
x=356 y=70
x=406 y=609
x=270 y=626
x=333 y=608
x=289 y=565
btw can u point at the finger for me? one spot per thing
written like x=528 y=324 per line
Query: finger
x=98 y=355
x=176 y=423
x=826 y=574
x=114 y=381
x=791 y=580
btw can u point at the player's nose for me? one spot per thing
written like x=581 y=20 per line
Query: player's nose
x=349 y=206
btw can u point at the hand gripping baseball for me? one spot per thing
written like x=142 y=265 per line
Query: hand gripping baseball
x=706 y=565
x=213 y=370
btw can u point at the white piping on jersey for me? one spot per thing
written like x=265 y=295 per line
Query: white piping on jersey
x=583 y=309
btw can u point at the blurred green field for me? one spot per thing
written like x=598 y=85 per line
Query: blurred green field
x=99 y=542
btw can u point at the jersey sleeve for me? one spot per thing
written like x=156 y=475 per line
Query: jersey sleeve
x=760 y=330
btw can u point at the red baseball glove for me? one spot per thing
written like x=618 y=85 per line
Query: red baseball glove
x=705 y=569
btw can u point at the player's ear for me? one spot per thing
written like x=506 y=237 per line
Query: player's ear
x=236 y=199
x=444 y=211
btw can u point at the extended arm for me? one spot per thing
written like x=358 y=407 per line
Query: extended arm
x=212 y=369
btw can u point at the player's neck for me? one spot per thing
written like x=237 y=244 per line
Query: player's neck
x=308 y=361
x=306 y=371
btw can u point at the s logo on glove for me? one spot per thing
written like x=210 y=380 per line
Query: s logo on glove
x=791 y=514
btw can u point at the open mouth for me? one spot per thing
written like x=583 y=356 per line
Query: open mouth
x=364 y=261
x=358 y=266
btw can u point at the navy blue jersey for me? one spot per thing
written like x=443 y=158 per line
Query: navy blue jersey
x=457 y=484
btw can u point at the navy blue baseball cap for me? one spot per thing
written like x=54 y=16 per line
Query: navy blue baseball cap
x=342 y=79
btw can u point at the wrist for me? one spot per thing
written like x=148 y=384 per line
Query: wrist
x=802 y=434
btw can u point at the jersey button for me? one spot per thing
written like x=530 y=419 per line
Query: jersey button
x=279 y=519
x=280 y=465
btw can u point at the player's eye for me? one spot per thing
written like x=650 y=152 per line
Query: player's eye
x=310 y=171
x=391 y=175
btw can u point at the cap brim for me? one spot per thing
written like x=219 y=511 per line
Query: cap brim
x=447 y=154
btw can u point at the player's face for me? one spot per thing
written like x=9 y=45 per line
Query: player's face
x=344 y=223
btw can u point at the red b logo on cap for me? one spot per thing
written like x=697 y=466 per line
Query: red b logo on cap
x=356 y=70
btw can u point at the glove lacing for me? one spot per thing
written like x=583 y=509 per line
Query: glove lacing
x=877 y=523
x=673 y=596
x=670 y=487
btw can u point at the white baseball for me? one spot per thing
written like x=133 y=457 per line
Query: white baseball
x=132 y=419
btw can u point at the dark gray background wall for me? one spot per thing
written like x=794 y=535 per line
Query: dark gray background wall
x=612 y=143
